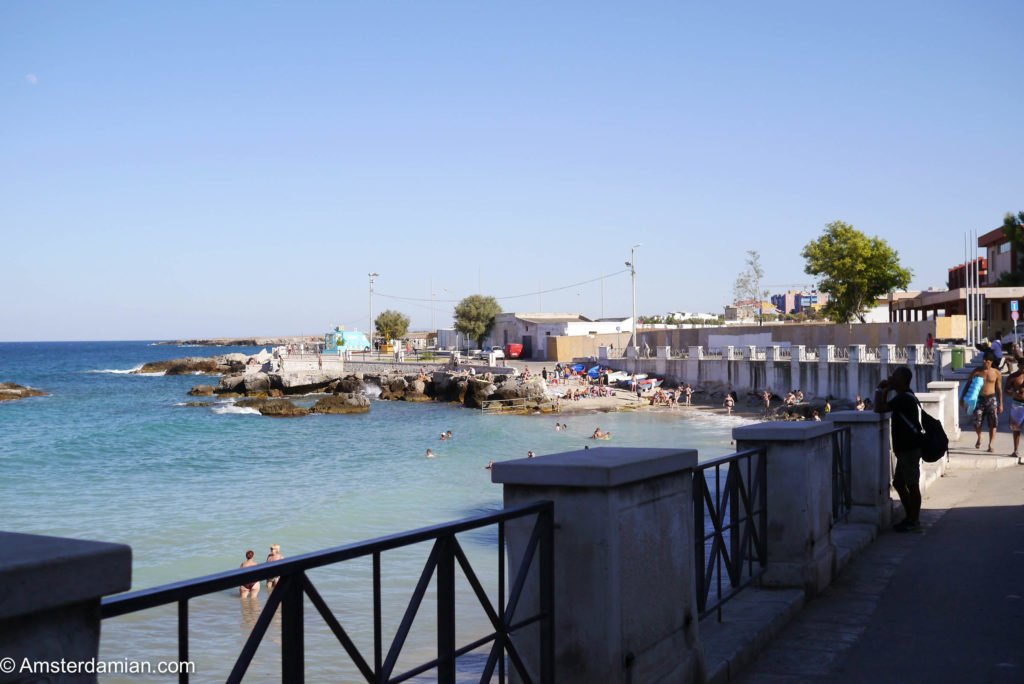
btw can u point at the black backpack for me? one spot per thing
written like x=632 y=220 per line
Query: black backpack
x=933 y=440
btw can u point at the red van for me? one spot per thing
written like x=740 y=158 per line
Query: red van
x=513 y=351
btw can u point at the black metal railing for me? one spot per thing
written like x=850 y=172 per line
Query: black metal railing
x=730 y=507
x=446 y=552
x=842 y=499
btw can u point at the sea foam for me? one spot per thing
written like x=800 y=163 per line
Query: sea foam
x=236 y=410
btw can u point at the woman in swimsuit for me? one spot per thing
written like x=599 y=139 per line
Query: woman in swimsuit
x=274 y=555
x=253 y=588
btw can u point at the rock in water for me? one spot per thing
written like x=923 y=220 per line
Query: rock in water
x=201 y=391
x=257 y=382
x=416 y=391
x=352 y=402
x=478 y=392
x=232 y=383
x=191 y=365
x=277 y=408
x=10 y=391
x=349 y=384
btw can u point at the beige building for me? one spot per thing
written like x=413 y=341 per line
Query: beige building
x=534 y=330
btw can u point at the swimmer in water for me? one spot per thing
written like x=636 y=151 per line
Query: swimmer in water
x=490 y=464
x=449 y=434
x=530 y=454
x=598 y=434
x=430 y=453
x=443 y=436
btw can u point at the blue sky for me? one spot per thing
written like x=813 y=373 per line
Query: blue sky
x=191 y=169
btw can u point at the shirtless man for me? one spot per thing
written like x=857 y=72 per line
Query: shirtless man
x=990 y=401
x=253 y=588
x=1015 y=388
x=729 y=403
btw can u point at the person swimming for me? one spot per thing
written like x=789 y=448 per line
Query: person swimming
x=430 y=453
x=530 y=454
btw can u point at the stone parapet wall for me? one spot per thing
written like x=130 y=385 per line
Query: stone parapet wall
x=838 y=372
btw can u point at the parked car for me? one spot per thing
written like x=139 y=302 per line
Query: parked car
x=497 y=351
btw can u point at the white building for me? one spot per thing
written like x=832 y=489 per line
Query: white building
x=532 y=330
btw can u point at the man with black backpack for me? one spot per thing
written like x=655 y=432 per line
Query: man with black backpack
x=906 y=442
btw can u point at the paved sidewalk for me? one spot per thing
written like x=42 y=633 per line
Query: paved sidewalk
x=944 y=605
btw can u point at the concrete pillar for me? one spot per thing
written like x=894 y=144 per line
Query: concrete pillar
x=915 y=355
x=950 y=392
x=741 y=380
x=770 y=355
x=50 y=603
x=856 y=352
x=625 y=599
x=661 y=360
x=870 y=464
x=886 y=358
x=825 y=353
x=692 y=364
x=798 y=353
x=933 y=404
x=800 y=549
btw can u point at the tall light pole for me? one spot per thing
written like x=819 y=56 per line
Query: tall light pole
x=372 y=276
x=632 y=273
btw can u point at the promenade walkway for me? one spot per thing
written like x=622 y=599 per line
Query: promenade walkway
x=944 y=605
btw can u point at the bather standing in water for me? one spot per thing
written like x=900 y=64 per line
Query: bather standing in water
x=274 y=555
x=253 y=588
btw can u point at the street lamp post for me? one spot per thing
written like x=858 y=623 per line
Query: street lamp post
x=632 y=273
x=372 y=276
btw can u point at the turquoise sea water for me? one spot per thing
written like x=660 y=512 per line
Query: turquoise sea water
x=116 y=457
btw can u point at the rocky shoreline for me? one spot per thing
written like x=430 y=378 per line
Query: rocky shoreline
x=10 y=391
x=271 y=393
x=268 y=392
x=244 y=341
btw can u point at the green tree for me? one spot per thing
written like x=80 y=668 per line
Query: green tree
x=1013 y=226
x=391 y=325
x=853 y=270
x=474 y=316
x=748 y=284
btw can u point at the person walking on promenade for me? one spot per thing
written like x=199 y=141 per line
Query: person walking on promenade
x=1015 y=388
x=990 y=401
x=906 y=442
x=766 y=396
x=253 y=588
